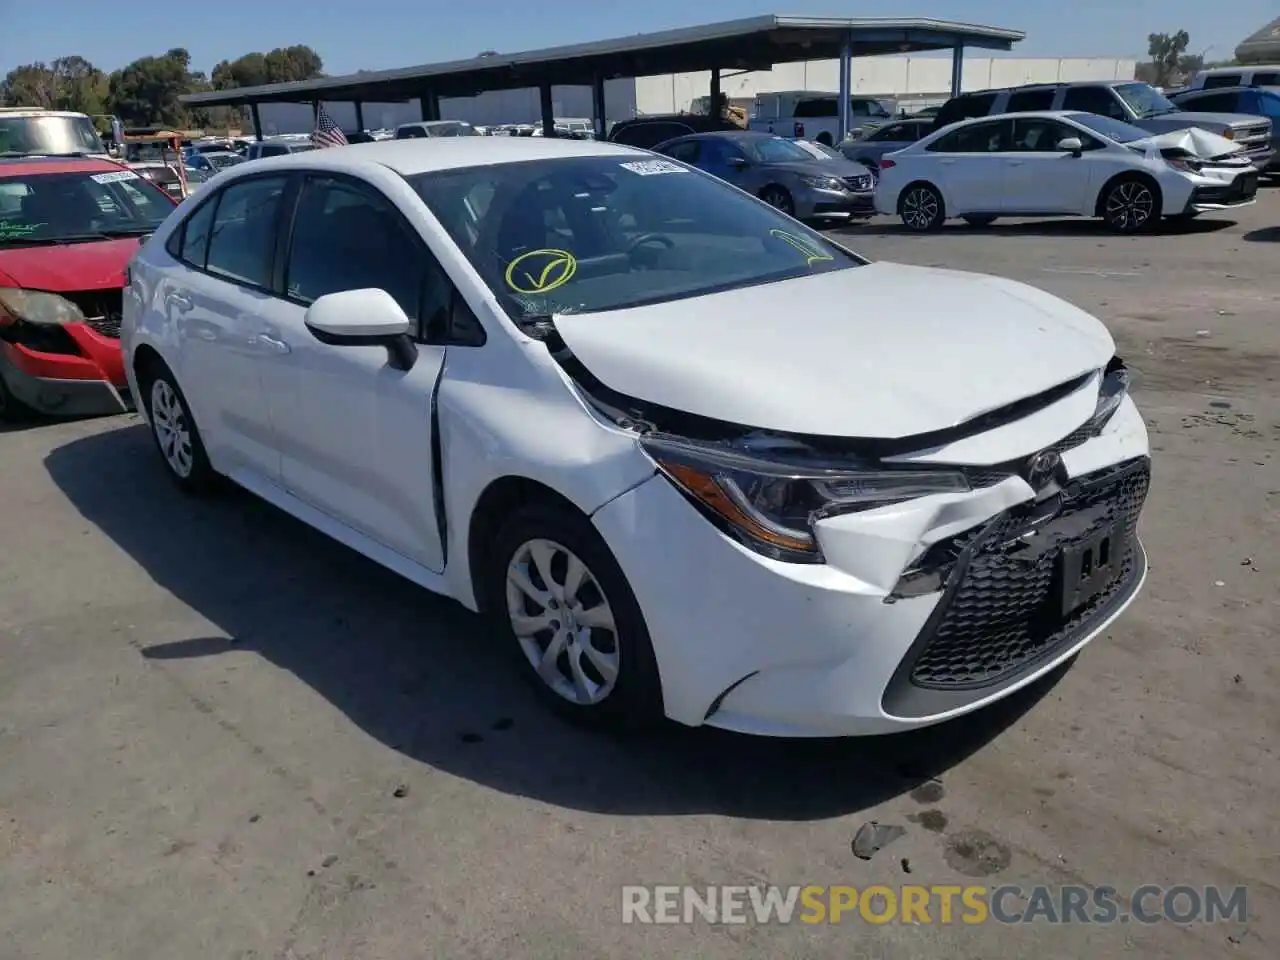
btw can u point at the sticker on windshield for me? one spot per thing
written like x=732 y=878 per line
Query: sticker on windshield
x=650 y=168
x=809 y=249
x=114 y=177
x=540 y=271
x=18 y=231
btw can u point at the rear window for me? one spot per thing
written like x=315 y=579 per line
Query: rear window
x=646 y=135
x=586 y=234
x=58 y=207
x=1027 y=100
x=1265 y=78
x=964 y=108
x=1222 y=80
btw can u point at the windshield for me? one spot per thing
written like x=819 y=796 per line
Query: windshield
x=1144 y=100
x=46 y=136
x=586 y=234
x=1116 y=130
x=50 y=207
x=773 y=150
x=819 y=150
x=221 y=161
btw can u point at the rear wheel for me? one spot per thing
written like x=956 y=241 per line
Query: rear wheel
x=779 y=197
x=921 y=208
x=174 y=430
x=568 y=612
x=1130 y=205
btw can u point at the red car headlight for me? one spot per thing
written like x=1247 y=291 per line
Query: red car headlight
x=38 y=307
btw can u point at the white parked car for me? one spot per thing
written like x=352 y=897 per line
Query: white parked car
x=1062 y=163
x=659 y=431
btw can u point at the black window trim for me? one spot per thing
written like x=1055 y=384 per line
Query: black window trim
x=179 y=233
x=978 y=121
x=457 y=302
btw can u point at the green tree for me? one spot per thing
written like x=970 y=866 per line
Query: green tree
x=30 y=85
x=1166 y=51
x=145 y=92
x=80 y=85
x=280 y=65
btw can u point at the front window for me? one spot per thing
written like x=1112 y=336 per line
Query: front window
x=1145 y=100
x=1116 y=130
x=773 y=150
x=222 y=161
x=48 y=136
x=584 y=234
x=53 y=208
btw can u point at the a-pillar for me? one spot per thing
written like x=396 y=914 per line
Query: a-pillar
x=548 y=110
x=957 y=68
x=846 y=87
x=598 y=118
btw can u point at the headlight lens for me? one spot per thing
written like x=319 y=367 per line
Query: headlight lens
x=1184 y=164
x=822 y=183
x=1111 y=393
x=771 y=505
x=38 y=307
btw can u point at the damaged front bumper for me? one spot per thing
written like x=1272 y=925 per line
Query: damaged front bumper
x=865 y=643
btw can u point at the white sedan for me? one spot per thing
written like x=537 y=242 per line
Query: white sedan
x=605 y=399
x=1059 y=163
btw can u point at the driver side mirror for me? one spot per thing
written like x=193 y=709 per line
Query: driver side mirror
x=364 y=318
x=1071 y=145
x=738 y=163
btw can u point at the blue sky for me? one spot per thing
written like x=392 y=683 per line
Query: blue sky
x=374 y=34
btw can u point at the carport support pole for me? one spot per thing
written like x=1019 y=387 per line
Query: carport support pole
x=315 y=111
x=429 y=105
x=957 y=68
x=715 y=110
x=548 y=110
x=846 y=86
x=597 y=107
x=359 y=115
x=257 y=119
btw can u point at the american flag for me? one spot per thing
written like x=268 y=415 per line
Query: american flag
x=327 y=133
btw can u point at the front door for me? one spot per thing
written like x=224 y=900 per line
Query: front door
x=1039 y=178
x=355 y=434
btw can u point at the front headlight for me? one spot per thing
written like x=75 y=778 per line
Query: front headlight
x=771 y=505
x=1111 y=393
x=822 y=183
x=38 y=307
x=1184 y=164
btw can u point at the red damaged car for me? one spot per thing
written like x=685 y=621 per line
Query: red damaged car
x=68 y=228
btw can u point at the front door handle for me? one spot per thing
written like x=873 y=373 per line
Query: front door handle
x=272 y=344
x=1016 y=163
x=180 y=302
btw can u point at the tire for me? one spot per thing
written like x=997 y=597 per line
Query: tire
x=779 y=198
x=921 y=208
x=174 y=431
x=1130 y=205
x=536 y=544
x=984 y=220
x=12 y=410
x=825 y=139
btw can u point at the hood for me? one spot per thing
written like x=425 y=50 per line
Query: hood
x=1197 y=142
x=882 y=351
x=829 y=167
x=1193 y=118
x=94 y=265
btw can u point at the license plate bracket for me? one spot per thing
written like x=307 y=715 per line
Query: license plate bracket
x=1088 y=567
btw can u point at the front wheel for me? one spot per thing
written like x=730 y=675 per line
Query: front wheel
x=562 y=601
x=921 y=208
x=175 y=433
x=1130 y=206
x=779 y=198
x=12 y=410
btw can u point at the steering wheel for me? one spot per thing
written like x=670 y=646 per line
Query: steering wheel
x=645 y=238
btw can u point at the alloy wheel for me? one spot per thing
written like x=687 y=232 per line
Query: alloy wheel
x=778 y=199
x=563 y=621
x=1130 y=206
x=920 y=208
x=169 y=421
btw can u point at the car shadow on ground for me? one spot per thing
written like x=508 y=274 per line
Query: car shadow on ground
x=425 y=677
x=1264 y=235
x=1067 y=227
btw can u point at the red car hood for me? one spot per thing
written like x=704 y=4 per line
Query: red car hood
x=97 y=265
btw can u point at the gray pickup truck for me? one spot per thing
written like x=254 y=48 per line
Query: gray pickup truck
x=1128 y=100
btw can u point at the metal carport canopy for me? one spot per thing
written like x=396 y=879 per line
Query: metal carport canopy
x=754 y=43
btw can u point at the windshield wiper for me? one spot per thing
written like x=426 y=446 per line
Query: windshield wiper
x=38 y=154
x=78 y=237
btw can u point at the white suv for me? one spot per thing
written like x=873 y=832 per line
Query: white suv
x=659 y=431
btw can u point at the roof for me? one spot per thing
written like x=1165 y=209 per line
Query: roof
x=424 y=155
x=753 y=43
x=37 y=112
x=1261 y=46
x=26 y=166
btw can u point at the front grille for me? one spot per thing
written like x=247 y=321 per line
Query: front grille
x=860 y=183
x=1254 y=136
x=980 y=477
x=1240 y=190
x=102 y=309
x=1003 y=610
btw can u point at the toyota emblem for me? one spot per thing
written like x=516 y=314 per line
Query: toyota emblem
x=1043 y=469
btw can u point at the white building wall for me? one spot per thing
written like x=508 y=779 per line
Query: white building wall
x=895 y=76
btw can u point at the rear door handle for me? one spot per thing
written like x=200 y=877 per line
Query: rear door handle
x=1015 y=163
x=947 y=163
x=180 y=302
x=272 y=344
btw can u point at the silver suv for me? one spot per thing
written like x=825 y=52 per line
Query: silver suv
x=1129 y=101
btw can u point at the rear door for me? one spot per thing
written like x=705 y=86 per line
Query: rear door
x=355 y=434
x=969 y=164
